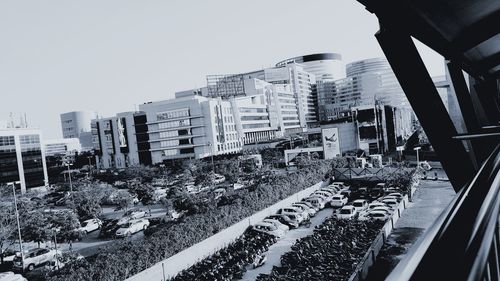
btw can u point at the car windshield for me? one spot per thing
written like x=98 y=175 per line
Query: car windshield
x=337 y=198
x=345 y=211
x=358 y=204
x=85 y=224
x=127 y=225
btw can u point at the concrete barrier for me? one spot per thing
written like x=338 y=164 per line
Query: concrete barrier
x=362 y=269
x=173 y=265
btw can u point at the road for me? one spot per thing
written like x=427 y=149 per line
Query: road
x=428 y=202
x=284 y=245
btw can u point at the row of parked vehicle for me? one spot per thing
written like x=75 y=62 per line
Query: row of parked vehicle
x=300 y=213
x=379 y=209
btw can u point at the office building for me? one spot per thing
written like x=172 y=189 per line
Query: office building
x=22 y=158
x=60 y=147
x=76 y=124
x=325 y=66
x=115 y=141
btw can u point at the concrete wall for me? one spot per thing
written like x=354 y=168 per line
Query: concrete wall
x=361 y=271
x=188 y=257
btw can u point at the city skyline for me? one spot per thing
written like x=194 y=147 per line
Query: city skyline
x=49 y=68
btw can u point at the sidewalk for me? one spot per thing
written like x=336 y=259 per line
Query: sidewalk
x=428 y=202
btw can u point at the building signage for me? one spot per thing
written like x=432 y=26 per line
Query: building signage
x=331 y=143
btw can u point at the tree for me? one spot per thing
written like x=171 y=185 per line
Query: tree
x=7 y=228
x=124 y=200
x=64 y=223
x=35 y=227
x=88 y=204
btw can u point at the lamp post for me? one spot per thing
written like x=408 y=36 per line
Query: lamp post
x=417 y=150
x=13 y=184
x=70 y=183
x=213 y=165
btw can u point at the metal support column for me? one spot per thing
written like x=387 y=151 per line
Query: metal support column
x=428 y=106
x=486 y=91
x=481 y=148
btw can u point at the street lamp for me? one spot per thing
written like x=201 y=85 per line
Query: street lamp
x=13 y=184
x=213 y=165
x=70 y=183
x=417 y=150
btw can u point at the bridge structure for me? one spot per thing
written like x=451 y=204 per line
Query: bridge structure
x=464 y=242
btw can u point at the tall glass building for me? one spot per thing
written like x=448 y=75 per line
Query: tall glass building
x=22 y=158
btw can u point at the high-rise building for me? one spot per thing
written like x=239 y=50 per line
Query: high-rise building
x=76 y=124
x=325 y=66
x=22 y=158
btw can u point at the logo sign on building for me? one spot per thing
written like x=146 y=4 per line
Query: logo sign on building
x=331 y=143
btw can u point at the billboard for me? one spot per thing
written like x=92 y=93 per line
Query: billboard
x=331 y=142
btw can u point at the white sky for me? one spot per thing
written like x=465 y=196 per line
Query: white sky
x=59 y=55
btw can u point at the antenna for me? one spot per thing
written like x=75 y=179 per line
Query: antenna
x=25 y=120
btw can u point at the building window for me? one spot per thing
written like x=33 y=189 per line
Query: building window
x=187 y=150
x=168 y=134
x=174 y=124
x=172 y=114
x=169 y=152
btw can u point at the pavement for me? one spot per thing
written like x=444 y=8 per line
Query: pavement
x=285 y=245
x=428 y=202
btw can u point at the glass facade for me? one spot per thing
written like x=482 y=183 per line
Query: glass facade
x=8 y=160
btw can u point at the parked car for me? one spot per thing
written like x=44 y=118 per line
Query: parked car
x=307 y=206
x=285 y=219
x=301 y=215
x=131 y=215
x=375 y=204
x=33 y=258
x=330 y=190
x=338 y=201
x=268 y=228
x=316 y=202
x=132 y=227
x=395 y=194
x=393 y=197
x=346 y=192
x=11 y=276
x=341 y=185
x=385 y=209
x=278 y=224
x=360 y=205
x=375 y=215
x=392 y=202
x=347 y=212
x=90 y=225
x=306 y=211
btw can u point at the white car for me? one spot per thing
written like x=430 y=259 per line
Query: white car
x=395 y=194
x=132 y=227
x=11 y=276
x=391 y=202
x=328 y=196
x=301 y=215
x=338 y=200
x=385 y=209
x=278 y=224
x=308 y=207
x=268 y=228
x=131 y=215
x=90 y=225
x=360 y=205
x=332 y=191
x=33 y=258
x=340 y=184
x=375 y=204
x=347 y=212
x=375 y=215
x=315 y=201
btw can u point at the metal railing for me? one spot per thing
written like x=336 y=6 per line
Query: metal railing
x=464 y=242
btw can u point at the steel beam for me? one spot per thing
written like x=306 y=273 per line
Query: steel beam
x=486 y=92
x=418 y=86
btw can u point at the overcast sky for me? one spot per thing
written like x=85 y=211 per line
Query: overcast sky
x=108 y=56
